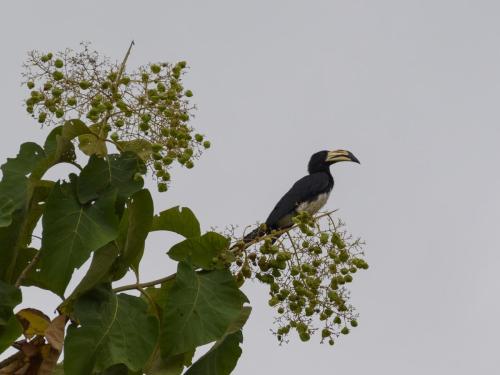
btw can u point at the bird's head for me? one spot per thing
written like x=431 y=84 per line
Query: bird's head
x=320 y=161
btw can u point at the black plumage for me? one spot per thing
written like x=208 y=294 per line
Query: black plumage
x=308 y=194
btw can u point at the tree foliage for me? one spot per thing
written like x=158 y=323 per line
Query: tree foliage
x=127 y=125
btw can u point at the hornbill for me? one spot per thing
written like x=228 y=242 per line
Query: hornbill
x=308 y=194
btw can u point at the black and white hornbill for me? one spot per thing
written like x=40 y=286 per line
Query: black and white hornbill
x=308 y=194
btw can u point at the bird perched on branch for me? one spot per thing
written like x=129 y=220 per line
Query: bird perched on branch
x=308 y=194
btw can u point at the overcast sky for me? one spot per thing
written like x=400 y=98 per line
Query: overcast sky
x=412 y=88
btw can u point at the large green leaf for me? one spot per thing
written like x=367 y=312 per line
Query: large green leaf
x=10 y=328
x=158 y=295
x=57 y=148
x=71 y=231
x=33 y=161
x=113 y=329
x=24 y=257
x=221 y=359
x=17 y=236
x=14 y=192
x=10 y=332
x=10 y=297
x=223 y=355
x=179 y=221
x=99 y=270
x=172 y=365
x=116 y=170
x=200 y=251
x=9 y=237
x=135 y=226
x=7 y=207
x=74 y=128
x=199 y=309
x=119 y=369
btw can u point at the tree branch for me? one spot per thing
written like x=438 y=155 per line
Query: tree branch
x=140 y=286
x=144 y=285
x=240 y=245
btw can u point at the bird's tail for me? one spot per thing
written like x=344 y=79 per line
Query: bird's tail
x=257 y=232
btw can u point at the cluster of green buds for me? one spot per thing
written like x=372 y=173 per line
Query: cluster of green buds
x=146 y=111
x=308 y=270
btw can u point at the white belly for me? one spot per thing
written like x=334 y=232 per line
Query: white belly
x=314 y=206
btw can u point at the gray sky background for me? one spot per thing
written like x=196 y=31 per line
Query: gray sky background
x=410 y=87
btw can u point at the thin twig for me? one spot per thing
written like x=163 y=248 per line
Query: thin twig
x=144 y=285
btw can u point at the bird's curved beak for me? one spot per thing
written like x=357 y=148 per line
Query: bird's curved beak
x=341 y=155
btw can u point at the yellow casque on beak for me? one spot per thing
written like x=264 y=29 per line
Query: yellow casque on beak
x=341 y=155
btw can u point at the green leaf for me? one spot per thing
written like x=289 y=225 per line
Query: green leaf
x=24 y=257
x=74 y=128
x=199 y=309
x=240 y=321
x=200 y=251
x=15 y=181
x=221 y=359
x=116 y=170
x=9 y=237
x=7 y=207
x=158 y=295
x=94 y=141
x=59 y=370
x=113 y=329
x=15 y=237
x=10 y=297
x=172 y=365
x=10 y=332
x=10 y=328
x=137 y=224
x=58 y=149
x=119 y=369
x=141 y=147
x=179 y=221
x=71 y=231
x=99 y=270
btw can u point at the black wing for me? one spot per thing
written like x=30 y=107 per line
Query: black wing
x=305 y=189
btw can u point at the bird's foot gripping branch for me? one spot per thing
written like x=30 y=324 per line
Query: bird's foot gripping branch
x=101 y=213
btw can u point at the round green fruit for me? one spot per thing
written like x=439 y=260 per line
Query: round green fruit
x=42 y=117
x=304 y=336
x=84 y=85
x=57 y=75
x=162 y=187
